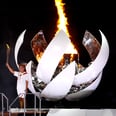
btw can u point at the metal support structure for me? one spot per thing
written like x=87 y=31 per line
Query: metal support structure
x=40 y=106
x=25 y=109
x=9 y=107
x=12 y=104
x=3 y=96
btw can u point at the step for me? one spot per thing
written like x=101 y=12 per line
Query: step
x=28 y=110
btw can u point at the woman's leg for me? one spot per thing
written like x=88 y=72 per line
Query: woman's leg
x=21 y=102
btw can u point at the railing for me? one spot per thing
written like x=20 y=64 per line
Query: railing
x=3 y=97
x=24 y=110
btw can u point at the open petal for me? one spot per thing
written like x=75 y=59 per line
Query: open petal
x=85 y=92
x=18 y=44
x=51 y=57
x=28 y=69
x=97 y=65
x=61 y=84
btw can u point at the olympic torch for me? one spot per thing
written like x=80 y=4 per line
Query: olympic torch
x=7 y=53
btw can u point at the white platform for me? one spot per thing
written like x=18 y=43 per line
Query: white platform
x=27 y=110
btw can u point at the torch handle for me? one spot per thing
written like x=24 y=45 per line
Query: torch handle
x=7 y=53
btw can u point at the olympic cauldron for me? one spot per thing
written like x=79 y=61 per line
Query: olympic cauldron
x=53 y=79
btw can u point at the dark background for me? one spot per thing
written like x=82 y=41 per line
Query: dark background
x=82 y=15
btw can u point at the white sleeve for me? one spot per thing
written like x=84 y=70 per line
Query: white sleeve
x=16 y=73
x=27 y=77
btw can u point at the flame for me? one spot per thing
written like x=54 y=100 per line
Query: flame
x=62 y=20
x=62 y=24
x=38 y=56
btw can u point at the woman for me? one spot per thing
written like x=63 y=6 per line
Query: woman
x=22 y=81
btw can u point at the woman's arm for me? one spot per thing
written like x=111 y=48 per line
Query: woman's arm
x=9 y=68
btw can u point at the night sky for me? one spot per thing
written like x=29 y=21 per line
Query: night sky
x=82 y=15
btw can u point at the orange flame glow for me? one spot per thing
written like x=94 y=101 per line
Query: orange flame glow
x=62 y=23
x=62 y=20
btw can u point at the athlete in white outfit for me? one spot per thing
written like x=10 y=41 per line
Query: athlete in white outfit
x=22 y=81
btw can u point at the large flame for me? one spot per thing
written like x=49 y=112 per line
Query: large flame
x=62 y=23
x=62 y=20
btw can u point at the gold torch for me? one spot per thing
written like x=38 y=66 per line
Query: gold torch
x=7 y=53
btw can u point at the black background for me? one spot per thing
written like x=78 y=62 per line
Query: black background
x=82 y=15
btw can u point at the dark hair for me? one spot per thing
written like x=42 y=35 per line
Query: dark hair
x=23 y=64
